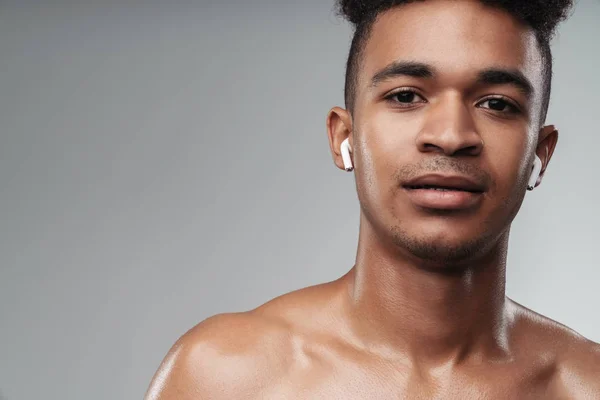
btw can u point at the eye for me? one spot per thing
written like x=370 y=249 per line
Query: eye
x=500 y=105
x=404 y=98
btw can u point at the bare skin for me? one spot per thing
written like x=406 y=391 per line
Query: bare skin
x=422 y=314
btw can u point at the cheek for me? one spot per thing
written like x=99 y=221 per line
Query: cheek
x=383 y=145
x=368 y=169
x=506 y=160
x=387 y=141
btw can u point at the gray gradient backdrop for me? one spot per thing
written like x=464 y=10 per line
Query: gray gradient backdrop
x=163 y=163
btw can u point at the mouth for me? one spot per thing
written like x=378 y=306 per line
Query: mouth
x=445 y=192
x=441 y=188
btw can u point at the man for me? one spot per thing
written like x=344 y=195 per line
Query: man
x=446 y=107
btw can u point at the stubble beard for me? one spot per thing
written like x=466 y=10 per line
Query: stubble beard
x=432 y=250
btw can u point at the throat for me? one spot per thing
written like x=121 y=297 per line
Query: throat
x=428 y=318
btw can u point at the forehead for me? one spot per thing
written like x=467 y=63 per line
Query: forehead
x=458 y=37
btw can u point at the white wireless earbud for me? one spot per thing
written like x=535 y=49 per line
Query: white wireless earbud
x=535 y=173
x=345 y=149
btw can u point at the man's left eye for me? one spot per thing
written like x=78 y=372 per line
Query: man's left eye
x=499 y=105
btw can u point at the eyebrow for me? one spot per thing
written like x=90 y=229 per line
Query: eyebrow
x=499 y=76
x=403 y=68
x=490 y=76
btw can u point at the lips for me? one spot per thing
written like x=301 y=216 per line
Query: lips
x=453 y=182
x=445 y=192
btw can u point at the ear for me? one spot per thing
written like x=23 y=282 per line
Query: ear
x=339 y=127
x=547 y=139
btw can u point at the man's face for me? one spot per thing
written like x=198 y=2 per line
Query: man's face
x=450 y=121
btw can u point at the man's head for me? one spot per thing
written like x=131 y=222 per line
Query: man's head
x=453 y=88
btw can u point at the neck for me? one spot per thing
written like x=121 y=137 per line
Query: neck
x=400 y=305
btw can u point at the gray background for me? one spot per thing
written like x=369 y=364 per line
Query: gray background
x=163 y=163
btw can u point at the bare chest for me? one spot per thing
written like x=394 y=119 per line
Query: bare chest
x=360 y=382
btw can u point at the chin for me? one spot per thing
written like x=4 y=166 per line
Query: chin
x=440 y=248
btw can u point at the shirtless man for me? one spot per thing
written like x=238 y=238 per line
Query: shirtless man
x=445 y=112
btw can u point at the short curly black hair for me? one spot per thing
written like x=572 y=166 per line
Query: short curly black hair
x=541 y=15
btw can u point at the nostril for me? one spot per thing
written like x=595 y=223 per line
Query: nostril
x=429 y=146
x=471 y=150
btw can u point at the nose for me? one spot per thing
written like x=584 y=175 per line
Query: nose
x=449 y=128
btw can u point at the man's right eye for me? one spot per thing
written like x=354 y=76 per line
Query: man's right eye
x=404 y=97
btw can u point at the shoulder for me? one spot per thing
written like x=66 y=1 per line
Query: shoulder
x=236 y=355
x=576 y=359
x=222 y=357
x=579 y=368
